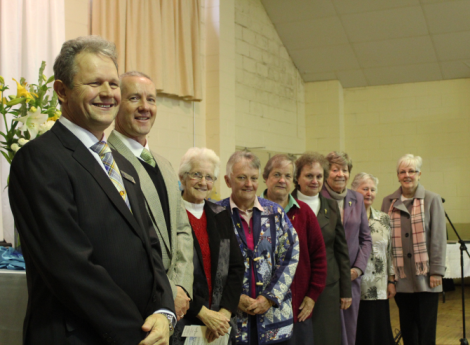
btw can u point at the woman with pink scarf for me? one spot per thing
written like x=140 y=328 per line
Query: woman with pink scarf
x=418 y=231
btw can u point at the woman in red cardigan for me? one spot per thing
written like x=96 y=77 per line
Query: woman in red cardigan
x=310 y=277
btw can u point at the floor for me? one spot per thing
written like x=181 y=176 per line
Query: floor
x=449 y=318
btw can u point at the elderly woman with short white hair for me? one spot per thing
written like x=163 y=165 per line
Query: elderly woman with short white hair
x=418 y=229
x=218 y=263
x=378 y=281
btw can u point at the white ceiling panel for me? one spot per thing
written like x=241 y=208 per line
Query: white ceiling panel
x=375 y=42
x=282 y=11
x=454 y=46
x=384 y=25
x=354 y=6
x=325 y=59
x=448 y=16
x=403 y=74
x=354 y=78
x=319 y=76
x=403 y=51
x=456 y=69
x=312 y=33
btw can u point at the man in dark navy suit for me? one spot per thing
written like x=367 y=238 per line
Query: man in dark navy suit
x=93 y=261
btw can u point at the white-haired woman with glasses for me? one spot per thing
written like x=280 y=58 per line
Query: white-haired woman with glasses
x=218 y=263
x=418 y=229
x=378 y=281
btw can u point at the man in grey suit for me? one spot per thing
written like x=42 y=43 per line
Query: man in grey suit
x=159 y=183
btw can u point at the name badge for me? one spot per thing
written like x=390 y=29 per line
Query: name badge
x=127 y=176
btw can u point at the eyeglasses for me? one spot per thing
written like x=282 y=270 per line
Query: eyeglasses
x=409 y=172
x=199 y=176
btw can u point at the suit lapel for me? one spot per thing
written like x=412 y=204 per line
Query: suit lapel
x=214 y=239
x=83 y=156
x=148 y=188
x=324 y=213
x=349 y=204
x=173 y=194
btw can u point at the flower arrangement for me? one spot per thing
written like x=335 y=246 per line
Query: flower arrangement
x=32 y=112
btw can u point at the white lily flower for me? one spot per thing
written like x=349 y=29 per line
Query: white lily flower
x=32 y=121
x=22 y=141
x=15 y=147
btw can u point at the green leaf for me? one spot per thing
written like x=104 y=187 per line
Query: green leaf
x=51 y=78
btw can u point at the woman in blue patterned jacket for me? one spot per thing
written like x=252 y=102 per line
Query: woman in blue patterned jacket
x=270 y=250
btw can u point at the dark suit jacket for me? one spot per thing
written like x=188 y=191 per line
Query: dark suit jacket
x=93 y=268
x=337 y=257
x=227 y=268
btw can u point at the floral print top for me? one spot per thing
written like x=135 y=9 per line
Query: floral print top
x=380 y=266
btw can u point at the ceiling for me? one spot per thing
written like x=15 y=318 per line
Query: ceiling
x=375 y=42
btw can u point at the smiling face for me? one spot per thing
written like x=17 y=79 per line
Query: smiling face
x=408 y=176
x=279 y=181
x=138 y=109
x=195 y=191
x=338 y=177
x=93 y=101
x=368 y=189
x=244 y=183
x=311 y=179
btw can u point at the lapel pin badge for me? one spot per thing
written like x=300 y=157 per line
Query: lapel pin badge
x=238 y=224
x=350 y=203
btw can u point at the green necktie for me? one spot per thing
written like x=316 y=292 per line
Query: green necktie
x=147 y=157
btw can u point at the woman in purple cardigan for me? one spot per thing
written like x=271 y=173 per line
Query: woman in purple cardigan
x=356 y=228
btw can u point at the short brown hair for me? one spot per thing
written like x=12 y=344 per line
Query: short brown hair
x=338 y=158
x=275 y=161
x=309 y=158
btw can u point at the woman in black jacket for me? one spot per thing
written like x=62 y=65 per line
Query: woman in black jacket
x=218 y=263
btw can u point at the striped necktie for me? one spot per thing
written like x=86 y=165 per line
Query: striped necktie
x=147 y=157
x=103 y=150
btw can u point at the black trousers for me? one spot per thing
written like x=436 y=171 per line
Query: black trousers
x=418 y=317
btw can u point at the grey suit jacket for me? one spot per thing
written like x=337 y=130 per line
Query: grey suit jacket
x=177 y=257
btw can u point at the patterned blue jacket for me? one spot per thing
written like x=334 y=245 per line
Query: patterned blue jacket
x=275 y=258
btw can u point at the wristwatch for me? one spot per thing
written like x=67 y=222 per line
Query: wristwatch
x=171 y=321
x=394 y=282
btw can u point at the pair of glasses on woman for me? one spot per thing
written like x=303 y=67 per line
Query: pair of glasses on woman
x=409 y=172
x=199 y=176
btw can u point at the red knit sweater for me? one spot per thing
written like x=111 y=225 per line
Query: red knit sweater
x=200 y=230
x=310 y=276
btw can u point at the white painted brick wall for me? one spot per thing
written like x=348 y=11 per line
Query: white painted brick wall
x=270 y=109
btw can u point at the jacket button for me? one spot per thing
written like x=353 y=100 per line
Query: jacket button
x=407 y=234
x=373 y=272
x=409 y=255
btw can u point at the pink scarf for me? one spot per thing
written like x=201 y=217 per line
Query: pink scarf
x=419 y=238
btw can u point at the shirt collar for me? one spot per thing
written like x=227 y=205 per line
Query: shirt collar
x=86 y=137
x=255 y=205
x=133 y=145
x=290 y=203
x=374 y=214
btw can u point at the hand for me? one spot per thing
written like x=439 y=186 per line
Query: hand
x=158 y=327
x=181 y=303
x=260 y=305
x=216 y=322
x=435 y=281
x=306 y=307
x=354 y=274
x=346 y=303
x=244 y=303
x=391 y=291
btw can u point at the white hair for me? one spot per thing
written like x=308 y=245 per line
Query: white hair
x=361 y=178
x=198 y=154
x=410 y=160
x=237 y=156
